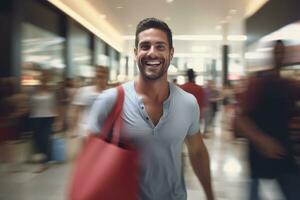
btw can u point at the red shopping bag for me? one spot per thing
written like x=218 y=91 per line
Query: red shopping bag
x=104 y=170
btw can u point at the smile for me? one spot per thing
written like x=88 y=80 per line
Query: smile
x=153 y=63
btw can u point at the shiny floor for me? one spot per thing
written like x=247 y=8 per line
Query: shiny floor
x=228 y=166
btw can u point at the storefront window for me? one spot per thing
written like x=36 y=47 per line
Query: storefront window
x=102 y=58
x=41 y=49
x=81 y=54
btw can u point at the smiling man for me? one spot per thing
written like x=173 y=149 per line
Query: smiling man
x=158 y=117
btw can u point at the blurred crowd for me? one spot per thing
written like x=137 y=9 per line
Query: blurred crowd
x=263 y=108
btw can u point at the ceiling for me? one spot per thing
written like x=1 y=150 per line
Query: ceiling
x=196 y=18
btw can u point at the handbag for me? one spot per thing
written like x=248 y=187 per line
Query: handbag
x=103 y=169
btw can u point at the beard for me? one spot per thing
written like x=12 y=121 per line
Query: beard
x=153 y=73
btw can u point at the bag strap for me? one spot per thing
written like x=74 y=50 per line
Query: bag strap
x=114 y=118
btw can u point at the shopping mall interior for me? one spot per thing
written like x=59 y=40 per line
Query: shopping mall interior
x=63 y=42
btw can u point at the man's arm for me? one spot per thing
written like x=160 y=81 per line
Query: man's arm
x=268 y=146
x=200 y=162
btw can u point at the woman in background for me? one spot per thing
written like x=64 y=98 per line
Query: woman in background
x=43 y=112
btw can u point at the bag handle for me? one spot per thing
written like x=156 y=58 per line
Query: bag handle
x=114 y=118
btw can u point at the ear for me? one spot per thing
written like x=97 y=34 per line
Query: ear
x=171 y=53
x=135 y=53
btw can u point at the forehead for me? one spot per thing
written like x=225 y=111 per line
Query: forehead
x=153 y=35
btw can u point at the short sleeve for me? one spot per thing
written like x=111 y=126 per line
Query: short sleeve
x=100 y=110
x=195 y=114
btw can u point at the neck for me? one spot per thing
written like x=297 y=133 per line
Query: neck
x=154 y=89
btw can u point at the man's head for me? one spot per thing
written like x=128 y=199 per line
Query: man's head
x=154 y=48
x=191 y=75
x=101 y=75
x=153 y=23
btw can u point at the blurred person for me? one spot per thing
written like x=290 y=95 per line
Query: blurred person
x=196 y=90
x=213 y=98
x=228 y=105
x=207 y=110
x=44 y=111
x=84 y=98
x=158 y=117
x=65 y=94
x=265 y=114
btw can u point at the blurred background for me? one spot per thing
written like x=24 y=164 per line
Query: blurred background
x=50 y=57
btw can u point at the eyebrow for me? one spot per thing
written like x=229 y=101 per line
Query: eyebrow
x=158 y=42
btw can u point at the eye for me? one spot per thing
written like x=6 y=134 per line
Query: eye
x=161 y=47
x=144 y=46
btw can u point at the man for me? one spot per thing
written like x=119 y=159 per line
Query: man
x=264 y=118
x=196 y=90
x=84 y=99
x=157 y=118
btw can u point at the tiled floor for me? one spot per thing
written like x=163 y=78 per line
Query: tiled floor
x=228 y=166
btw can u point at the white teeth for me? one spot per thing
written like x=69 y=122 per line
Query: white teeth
x=153 y=62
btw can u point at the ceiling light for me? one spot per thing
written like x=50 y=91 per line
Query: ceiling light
x=237 y=37
x=198 y=37
x=169 y=1
x=254 y=55
x=199 y=48
x=187 y=37
x=119 y=7
x=192 y=55
x=265 y=49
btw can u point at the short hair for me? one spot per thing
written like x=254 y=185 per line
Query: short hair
x=191 y=74
x=153 y=23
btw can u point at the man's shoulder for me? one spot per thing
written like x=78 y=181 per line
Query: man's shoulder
x=108 y=94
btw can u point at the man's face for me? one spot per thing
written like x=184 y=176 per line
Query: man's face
x=153 y=54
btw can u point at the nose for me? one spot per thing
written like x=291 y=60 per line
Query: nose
x=152 y=51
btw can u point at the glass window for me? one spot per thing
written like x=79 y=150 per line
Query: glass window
x=81 y=53
x=40 y=49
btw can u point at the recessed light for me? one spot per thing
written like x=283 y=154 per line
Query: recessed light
x=169 y=1
x=119 y=7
